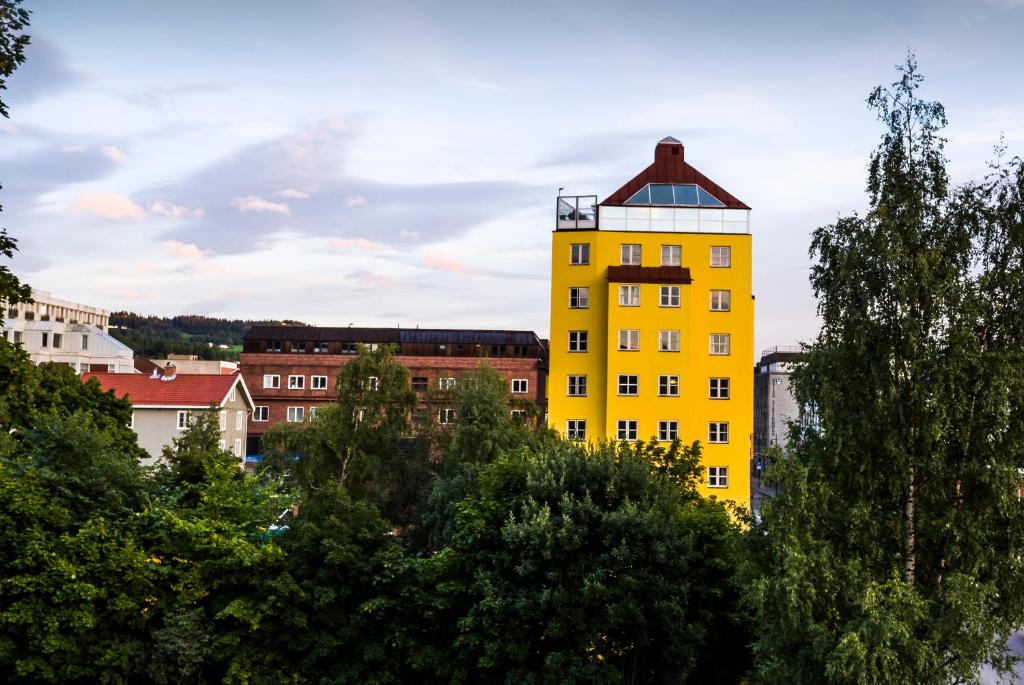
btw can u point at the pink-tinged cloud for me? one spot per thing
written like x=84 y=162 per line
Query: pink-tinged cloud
x=442 y=261
x=175 y=211
x=112 y=153
x=113 y=206
x=375 y=280
x=145 y=268
x=128 y=295
x=294 y=194
x=355 y=201
x=186 y=251
x=361 y=244
x=251 y=203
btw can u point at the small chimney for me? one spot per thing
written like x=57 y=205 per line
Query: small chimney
x=668 y=149
x=156 y=373
x=170 y=372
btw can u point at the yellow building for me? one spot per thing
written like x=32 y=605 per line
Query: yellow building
x=652 y=318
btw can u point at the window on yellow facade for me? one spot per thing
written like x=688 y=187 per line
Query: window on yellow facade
x=626 y=429
x=577 y=386
x=669 y=295
x=630 y=255
x=629 y=384
x=718 y=432
x=668 y=386
x=671 y=255
x=576 y=429
x=718 y=388
x=721 y=256
x=579 y=254
x=629 y=340
x=718 y=343
x=668 y=341
x=718 y=476
x=629 y=296
x=721 y=300
x=578 y=341
x=668 y=431
x=579 y=298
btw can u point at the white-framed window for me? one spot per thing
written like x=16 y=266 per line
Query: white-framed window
x=296 y=382
x=577 y=386
x=318 y=382
x=313 y=412
x=182 y=420
x=718 y=432
x=296 y=414
x=718 y=388
x=718 y=476
x=579 y=254
x=446 y=416
x=721 y=256
x=520 y=386
x=721 y=300
x=58 y=340
x=668 y=431
x=239 y=420
x=231 y=397
x=576 y=429
x=223 y=445
x=46 y=339
x=668 y=341
x=261 y=414
x=669 y=295
x=630 y=255
x=238 y=447
x=518 y=414
x=85 y=341
x=629 y=340
x=578 y=341
x=629 y=296
x=668 y=386
x=131 y=421
x=629 y=384
x=718 y=343
x=626 y=429
x=223 y=419
x=272 y=381
x=373 y=383
x=579 y=298
x=111 y=368
x=671 y=255
x=446 y=383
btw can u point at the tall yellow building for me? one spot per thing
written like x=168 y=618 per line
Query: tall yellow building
x=652 y=318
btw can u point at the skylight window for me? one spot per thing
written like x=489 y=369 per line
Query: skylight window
x=672 y=194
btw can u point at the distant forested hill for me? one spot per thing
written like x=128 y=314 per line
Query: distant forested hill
x=158 y=336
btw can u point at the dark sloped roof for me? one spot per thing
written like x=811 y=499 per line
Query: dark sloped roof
x=670 y=167
x=649 y=274
x=439 y=336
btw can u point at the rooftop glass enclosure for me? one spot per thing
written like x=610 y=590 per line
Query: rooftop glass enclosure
x=674 y=195
x=576 y=212
x=582 y=212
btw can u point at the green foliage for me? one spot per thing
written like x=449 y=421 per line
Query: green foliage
x=893 y=553
x=573 y=566
x=158 y=336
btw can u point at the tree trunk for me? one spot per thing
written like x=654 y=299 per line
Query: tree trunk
x=909 y=541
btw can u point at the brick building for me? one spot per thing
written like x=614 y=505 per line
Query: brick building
x=291 y=370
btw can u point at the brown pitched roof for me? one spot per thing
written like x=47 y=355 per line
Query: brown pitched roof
x=649 y=274
x=669 y=167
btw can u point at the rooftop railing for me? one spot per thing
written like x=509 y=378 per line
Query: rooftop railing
x=574 y=212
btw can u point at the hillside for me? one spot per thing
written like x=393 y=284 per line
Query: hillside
x=158 y=336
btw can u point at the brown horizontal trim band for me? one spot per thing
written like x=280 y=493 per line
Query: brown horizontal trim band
x=649 y=274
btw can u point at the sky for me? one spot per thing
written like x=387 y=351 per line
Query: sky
x=396 y=163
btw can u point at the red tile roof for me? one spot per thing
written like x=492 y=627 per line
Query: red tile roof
x=669 y=167
x=186 y=390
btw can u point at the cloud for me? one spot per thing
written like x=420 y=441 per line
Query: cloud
x=355 y=201
x=165 y=98
x=251 y=203
x=408 y=235
x=372 y=281
x=47 y=72
x=112 y=153
x=175 y=211
x=294 y=194
x=360 y=244
x=186 y=251
x=113 y=206
x=442 y=261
